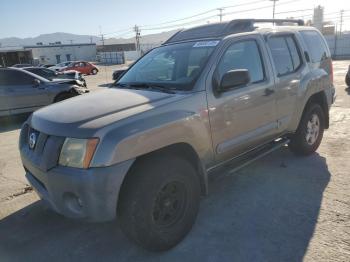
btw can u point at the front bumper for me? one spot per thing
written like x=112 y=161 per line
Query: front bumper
x=90 y=194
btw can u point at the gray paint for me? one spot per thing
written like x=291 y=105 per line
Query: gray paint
x=131 y=123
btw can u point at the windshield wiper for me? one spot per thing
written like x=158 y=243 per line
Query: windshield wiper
x=149 y=86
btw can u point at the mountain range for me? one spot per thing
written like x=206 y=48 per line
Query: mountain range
x=67 y=38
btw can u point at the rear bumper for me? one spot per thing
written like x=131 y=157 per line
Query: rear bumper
x=90 y=194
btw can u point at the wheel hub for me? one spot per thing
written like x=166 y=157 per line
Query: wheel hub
x=169 y=204
x=313 y=129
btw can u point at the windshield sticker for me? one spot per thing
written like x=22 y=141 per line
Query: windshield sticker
x=206 y=43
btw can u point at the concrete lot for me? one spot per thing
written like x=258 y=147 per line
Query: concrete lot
x=281 y=208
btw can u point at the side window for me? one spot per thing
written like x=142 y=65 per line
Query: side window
x=294 y=52
x=285 y=54
x=315 y=44
x=243 y=55
x=9 y=77
x=280 y=54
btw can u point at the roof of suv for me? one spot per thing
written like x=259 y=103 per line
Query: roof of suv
x=221 y=30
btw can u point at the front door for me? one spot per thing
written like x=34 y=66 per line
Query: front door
x=243 y=117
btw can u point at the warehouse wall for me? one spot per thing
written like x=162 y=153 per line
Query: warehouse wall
x=62 y=53
x=340 y=46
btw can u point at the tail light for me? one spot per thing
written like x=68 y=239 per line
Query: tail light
x=331 y=70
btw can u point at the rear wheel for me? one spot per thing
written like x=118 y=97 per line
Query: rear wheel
x=159 y=202
x=309 y=134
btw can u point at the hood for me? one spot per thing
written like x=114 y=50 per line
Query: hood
x=83 y=115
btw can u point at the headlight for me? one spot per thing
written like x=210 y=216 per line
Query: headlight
x=78 y=152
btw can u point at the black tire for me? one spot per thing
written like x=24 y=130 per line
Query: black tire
x=63 y=96
x=301 y=143
x=143 y=202
x=94 y=71
x=347 y=80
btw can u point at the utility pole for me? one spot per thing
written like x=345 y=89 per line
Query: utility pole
x=102 y=37
x=220 y=13
x=341 y=21
x=137 y=38
x=274 y=7
x=336 y=33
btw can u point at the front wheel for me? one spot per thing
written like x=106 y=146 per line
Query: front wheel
x=94 y=71
x=159 y=202
x=63 y=96
x=309 y=134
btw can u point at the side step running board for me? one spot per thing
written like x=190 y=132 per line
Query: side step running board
x=235 y=164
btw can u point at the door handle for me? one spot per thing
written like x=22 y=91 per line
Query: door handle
x=268 y=91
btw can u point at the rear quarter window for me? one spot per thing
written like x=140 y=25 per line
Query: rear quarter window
x=316 y=45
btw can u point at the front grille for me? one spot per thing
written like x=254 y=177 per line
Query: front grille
x=46 y=151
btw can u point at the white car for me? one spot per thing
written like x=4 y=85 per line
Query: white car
x=60 y=66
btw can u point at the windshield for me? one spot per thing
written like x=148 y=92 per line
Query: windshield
x=175 y=66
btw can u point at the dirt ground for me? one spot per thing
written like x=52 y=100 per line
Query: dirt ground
x=281 y=208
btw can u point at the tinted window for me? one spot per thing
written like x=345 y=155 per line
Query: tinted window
x=281 y=56
x=243 y=55
x=12 y=77
x=316 y=46
x=46 y=73
x=294 y=52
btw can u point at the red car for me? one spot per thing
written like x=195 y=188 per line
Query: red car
x=82 y=67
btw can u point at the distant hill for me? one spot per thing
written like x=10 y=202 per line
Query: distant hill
x=66 y=38
x=145 y=39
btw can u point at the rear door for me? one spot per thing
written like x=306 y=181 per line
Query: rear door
x=24 y=94
x=4 y=107
x=289 y=68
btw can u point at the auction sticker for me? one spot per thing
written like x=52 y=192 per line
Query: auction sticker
x=206 y=43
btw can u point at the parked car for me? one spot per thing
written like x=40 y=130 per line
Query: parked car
x=82 y=67
x=210 y=97
x=21 y=65
x=60 y=66
x=22 y=91
x=347 y=77
x=118 y=73
x=54 y=75
x=46 y=65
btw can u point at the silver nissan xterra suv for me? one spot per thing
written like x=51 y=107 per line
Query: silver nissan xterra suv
x=212 y=97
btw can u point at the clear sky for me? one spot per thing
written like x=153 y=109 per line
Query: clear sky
x=30 y=18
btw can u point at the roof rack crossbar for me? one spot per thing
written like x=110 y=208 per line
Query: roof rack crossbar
x=226 y=28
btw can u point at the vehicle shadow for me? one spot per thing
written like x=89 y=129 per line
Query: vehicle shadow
x=9 y=123
x=265 y=212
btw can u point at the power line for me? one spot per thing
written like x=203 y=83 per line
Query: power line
x=294 y=11
x=179 y=25
x=263 y=7
x=203 y=13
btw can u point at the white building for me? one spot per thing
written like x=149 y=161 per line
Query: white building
x=318 y=17
x=57 y=53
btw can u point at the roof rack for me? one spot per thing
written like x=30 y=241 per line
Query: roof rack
x=219 y=30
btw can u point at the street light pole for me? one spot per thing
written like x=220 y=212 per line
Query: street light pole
x=274 y=6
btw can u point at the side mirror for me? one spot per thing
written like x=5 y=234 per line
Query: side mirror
x=233 y=78
x=36 y=82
